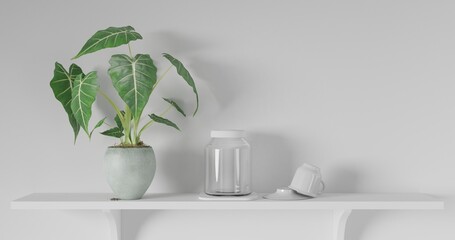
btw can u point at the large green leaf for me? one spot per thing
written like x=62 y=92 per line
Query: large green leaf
x=109 y=38
x=162 y=120
x=114 y=132
x=175 y=105
x=133 y=79
x=181 y=70
x=83 y=95
x=62 y=84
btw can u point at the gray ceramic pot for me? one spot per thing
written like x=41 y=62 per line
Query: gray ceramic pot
x=129 y=171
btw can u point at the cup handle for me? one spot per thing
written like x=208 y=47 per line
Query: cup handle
x=323 y=187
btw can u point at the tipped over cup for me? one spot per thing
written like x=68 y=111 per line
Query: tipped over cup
x=308 y=181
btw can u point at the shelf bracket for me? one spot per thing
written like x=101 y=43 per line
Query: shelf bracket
x=340 y=217
x=114 y=219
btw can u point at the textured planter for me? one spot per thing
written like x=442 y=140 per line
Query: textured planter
x=129 y=171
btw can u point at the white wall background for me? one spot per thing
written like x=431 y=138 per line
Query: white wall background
x=363 y=89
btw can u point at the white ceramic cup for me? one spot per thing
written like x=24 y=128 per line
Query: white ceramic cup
x=308 y=180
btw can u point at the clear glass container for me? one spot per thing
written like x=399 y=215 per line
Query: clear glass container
x=228 y=164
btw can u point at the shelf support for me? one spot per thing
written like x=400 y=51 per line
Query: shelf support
x=114 y=219
x=340 y=217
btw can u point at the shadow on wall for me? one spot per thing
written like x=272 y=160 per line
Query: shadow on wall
x=173 y=43
x=271 y=161
x=133 y=220
x=343 y=179
x=358 y=223
x=222 y=79
x=183 y=170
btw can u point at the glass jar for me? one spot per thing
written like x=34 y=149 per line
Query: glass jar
x=228 y=164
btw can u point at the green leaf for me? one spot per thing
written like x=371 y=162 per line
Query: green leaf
x=62 y=84
x=162 y=120
x=181 y=70
x=74 y=71
x=83 y=95
x=114 y=132
x=133 y=79
x=109 y=38
x=117 y=120
x=175 y=105
x=97 y=126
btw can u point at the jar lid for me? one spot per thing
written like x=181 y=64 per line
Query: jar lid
x=227 y=134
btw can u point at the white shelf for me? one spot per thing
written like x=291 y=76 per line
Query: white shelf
x=341 y=204
x=331 y=201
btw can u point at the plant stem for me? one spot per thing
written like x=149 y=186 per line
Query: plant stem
x=127 y=127
x=117 y=110
x=129 y=49
x=151 y=121
x=136 y=126
x=162 y=76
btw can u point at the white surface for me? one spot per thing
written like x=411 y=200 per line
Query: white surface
x=362 y=89
x=285 y=194
x=249 y=197
x=191 y=201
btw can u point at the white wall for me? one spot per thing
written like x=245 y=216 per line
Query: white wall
x=363 y=89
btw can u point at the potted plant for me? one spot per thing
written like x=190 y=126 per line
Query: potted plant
x=130 y=166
